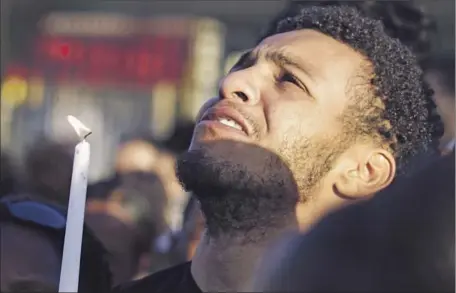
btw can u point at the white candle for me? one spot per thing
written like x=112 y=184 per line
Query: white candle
x=69 y=274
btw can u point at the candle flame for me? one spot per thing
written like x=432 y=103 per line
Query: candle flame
x=81 y=130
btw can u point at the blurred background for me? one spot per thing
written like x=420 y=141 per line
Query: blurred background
x=123 y=67
x=136 y=73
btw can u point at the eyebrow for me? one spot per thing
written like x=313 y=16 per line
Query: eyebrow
x=280 y=58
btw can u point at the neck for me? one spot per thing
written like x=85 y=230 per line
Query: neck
x=227 y=263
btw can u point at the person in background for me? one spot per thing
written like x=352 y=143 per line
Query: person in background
x=403 y=240
x=440 y=75
x=31 y=245
x=175 y=145
x=193 y=226
x=146 y=156
x=128 y=222
x=132 y=156
x=7 y=175
x=142 y=155
x=177 y=197
x=137 y=155
x=325 y=111
x=48 y=170
x=178 y=247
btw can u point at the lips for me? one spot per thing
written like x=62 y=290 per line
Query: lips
x=228 y=117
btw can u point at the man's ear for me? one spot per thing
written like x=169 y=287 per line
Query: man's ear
x=363 y=172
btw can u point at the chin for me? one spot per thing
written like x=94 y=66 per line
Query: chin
x=237 y=154
x=235 y=181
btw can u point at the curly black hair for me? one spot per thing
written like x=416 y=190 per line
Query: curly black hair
x=405 y=20
x=399 y=111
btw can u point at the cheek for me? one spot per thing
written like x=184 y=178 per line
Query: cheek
x=295 y=122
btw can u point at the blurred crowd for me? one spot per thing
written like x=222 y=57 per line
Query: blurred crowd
x=141 y=216
x=140 y=220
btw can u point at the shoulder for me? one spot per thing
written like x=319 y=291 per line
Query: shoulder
x=168 y=280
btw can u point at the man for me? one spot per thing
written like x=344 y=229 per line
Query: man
x=330 y=96
x=404 y=20
x=401 y=241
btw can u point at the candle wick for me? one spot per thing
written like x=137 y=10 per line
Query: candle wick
x=85 y=136
x=81 y=130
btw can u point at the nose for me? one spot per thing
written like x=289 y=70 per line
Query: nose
x=239 y=87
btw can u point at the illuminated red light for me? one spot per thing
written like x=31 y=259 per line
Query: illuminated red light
x=137 y=61
x=64 y=50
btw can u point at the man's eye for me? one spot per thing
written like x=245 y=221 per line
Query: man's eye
x=288 y=77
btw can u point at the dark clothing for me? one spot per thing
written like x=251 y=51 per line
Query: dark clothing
x=177 y=279
x=34 y=217
x=119 y=240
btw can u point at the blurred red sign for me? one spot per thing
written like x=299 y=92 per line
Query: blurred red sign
x=138 y=60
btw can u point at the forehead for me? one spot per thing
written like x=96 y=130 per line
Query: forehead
x=329 y=57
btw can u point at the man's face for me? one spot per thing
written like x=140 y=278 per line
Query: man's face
x=286 y=96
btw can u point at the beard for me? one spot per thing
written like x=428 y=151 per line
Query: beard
x=246 y=190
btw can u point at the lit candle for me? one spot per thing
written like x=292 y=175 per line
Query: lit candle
x=69 y=273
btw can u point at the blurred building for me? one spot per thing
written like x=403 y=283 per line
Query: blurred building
x=119 y=70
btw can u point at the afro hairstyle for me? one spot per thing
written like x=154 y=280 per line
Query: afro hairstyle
x=405 y=20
